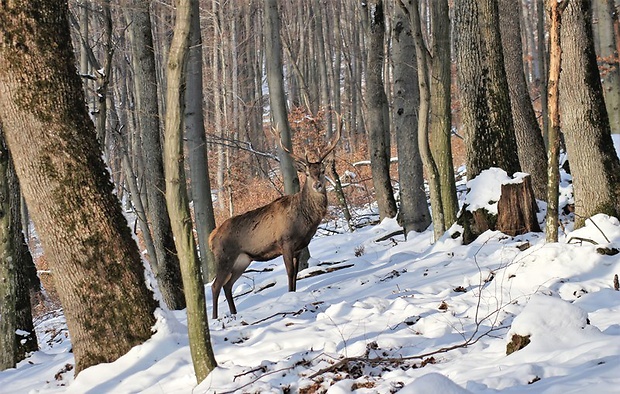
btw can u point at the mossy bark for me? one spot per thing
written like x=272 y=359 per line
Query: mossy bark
x=178 y=201
x=96 y=265
x=594 y=164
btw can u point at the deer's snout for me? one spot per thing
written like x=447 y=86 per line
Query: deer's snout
x=317 y=186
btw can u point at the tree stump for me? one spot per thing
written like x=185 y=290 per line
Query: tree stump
x=516 y=209
x=516 y=213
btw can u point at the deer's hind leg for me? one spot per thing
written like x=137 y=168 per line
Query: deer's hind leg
x=241 y=263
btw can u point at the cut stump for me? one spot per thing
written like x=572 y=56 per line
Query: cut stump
x=516 y=209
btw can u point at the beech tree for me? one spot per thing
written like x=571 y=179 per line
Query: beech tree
x=593 y=161
x=165 y=263
x=413 y=213
x=176 y=195
x=376 y=108
x=97 y=269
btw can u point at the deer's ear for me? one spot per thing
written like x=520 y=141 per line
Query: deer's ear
x=299 y=165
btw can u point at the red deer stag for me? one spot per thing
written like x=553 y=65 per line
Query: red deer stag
x=283 y=227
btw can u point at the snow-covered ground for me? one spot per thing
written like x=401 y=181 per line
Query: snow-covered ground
x=413 y=317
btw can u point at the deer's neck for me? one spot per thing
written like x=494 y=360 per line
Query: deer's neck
x=313 y=205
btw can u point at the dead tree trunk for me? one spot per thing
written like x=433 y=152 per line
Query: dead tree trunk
x=516 y=209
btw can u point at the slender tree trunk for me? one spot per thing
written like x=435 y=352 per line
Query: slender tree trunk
x=96 y=264
x=423 y=62
x=553 y=171
x=376 y=110
x=277 y=98
x=441 y=109
x=8 y=269
x=146 y=91
x=197 y=147
x=543 y=63
x=176 y=196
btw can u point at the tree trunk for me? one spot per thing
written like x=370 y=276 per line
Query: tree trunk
x=516 y=209
x=146 y=91
x=423 y=63
x=176 y=196
x=197 y=148
x=277 y=103
x=593 y=160
x=27 y=281
x=8 y=269
x=604 y=12
x=485 y=105
x=441 y=109
x=530 y=143
x=96 y=264
x=413 y=214
x=376 y=110
x=553 y=170
x=277 y=98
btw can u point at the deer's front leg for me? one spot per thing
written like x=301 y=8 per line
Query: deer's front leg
x=291 y=262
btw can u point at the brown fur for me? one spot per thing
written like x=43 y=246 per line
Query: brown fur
x=282 y=228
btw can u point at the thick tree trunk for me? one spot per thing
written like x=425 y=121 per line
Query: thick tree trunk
x=376 y=110
x=97 y=268
x=413 y=214
x=485 y=105
x=177 y=199
x=530 y=143
x=167 y=269
x=593 y=160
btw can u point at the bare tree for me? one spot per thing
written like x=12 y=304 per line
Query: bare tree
x=593 y=161
x=530 y=143
x=197 y=147
x=376 y=108
x=176 y=195
x=441 y=108
x=165 y=264
x=413 y=214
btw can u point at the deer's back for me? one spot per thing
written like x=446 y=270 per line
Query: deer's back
x=262 y=232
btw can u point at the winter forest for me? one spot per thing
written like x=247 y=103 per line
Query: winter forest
x=428 y=192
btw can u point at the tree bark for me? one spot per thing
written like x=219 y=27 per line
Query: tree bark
x=166 y=269
x=516 y=209
x=530 y=143
x=277 y=98
x=376 y=110
x=96 y=264
x=553 y=170
x=413 y=214
x=606 y=48
x=593 y=160
x=197 y=148
x=177 y=199
x=423 y=63
x=441 y=109
x=8 y=269
x=485 y=105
